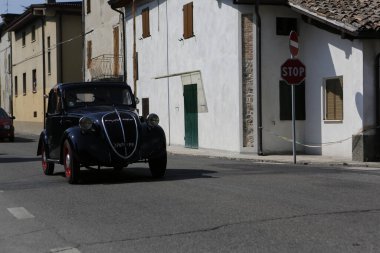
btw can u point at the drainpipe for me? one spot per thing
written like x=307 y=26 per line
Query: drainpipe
x=377 y=90
x=134 y=49
x=258 y=86
x=43 y=68
x=123 y=42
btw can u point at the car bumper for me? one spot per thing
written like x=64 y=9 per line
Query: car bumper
x=6 y=133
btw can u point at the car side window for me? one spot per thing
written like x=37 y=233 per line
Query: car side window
x=55 y=102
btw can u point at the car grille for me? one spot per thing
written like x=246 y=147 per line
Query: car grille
x=121 y=132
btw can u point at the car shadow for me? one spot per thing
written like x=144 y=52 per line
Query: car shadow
x=19 y=140
x=135 y=175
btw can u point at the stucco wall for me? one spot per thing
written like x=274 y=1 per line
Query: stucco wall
x=102 y=19
x=5 y=74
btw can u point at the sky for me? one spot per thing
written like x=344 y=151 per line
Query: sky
x=18 y=6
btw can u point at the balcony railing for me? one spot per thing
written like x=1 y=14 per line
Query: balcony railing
x=107 y=67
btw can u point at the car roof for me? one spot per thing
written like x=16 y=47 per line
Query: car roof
x=94 y=84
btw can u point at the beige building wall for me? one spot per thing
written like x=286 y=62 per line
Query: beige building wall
x=28 y=104
x=63 y=35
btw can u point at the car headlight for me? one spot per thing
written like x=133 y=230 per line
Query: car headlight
x=153 y=120
x=85 y=123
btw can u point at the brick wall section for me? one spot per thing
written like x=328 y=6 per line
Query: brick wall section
x=247 y=68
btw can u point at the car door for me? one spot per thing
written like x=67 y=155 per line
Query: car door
x=54 y=128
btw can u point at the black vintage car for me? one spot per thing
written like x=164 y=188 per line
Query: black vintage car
x=96 y=124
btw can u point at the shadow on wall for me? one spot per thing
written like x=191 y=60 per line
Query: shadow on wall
x=359 y=104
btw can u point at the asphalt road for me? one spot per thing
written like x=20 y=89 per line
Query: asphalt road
x=203 y=205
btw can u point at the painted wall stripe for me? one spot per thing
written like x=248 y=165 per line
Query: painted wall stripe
x=20 y=213
x=65 y=250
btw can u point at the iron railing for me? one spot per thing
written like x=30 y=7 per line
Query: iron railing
x=107 y=67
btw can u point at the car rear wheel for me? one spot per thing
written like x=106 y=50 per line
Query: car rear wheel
x=157 y=166
x=47 y=167
x=70 y=164
x=12 y=139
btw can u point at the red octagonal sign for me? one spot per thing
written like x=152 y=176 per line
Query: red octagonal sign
x=293 y=71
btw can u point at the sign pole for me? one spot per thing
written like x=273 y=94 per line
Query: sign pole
x=294 y=123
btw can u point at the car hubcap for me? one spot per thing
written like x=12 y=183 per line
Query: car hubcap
x=67 y=163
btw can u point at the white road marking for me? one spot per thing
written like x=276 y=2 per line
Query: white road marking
x=65 y=250
x=20 y=213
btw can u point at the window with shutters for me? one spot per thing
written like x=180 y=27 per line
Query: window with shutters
x=334 y=98
x=89 y=54
x=33 y=33
x=145 y=107
x=188 y=28
x=16 y=87
x=285 y=25
x=145 y=23
x=24 y=84
x=286 y=101
x=88 y=5
x=34 y=80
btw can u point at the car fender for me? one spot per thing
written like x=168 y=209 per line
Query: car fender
x=72 y=135
x=43 y=140
x=154 y=143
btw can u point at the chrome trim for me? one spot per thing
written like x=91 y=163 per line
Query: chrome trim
x=122 y=127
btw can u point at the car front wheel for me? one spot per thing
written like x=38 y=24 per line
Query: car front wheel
x=157 y=166
x=70 y=164
x=47 y=167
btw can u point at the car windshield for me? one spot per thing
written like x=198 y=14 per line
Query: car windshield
x=95 y=96
x=3 y=114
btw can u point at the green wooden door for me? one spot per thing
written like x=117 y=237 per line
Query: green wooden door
x=191 y=115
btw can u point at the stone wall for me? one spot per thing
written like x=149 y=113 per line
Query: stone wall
x=247 y=68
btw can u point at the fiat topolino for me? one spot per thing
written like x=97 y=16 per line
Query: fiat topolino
x=96 y=124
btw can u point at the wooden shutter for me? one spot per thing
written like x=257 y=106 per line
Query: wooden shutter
x=145 y=107
x=188 y=21
x=334 y=99
x=116 y=65
x=88 y=2
x=145 y=23
x=89 y=53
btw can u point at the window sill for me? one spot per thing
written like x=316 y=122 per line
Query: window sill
x=327 y=121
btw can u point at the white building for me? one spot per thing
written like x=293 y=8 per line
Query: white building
x=103 y=42
x=197 y=67
x=6 y=64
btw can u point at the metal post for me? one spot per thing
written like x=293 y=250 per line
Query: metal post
x=294 y=123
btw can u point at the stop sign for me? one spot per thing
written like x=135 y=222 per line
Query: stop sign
x=293 y=71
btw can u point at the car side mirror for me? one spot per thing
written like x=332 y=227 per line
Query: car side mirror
x=137 y=100
x=13 y=117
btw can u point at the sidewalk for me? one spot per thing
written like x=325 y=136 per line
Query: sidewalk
x=301 y=159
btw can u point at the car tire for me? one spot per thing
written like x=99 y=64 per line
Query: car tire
x=70 y=164
x=157 y=166
x=47 y=167
x=12 y=139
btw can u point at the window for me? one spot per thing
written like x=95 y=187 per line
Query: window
x=334 y=98
x=16 y=88
x=23 y=38
x=89 y=53
x=24 y=84
x=145 y=107
x=188 y=29
x=34 y=81
x=285 y=25
x=286 y=101
x=33 y=33
x=145 y=23
x=88 y=5
x=49 y=55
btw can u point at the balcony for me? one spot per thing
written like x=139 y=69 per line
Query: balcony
x=107 y=68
